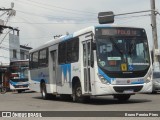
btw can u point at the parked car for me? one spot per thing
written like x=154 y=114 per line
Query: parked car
x=156 y=82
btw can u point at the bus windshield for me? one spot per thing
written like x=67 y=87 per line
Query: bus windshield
x=114 y=53
x=122 y=53
x=19 y=69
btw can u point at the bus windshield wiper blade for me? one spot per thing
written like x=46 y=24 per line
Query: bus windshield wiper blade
x=115 y=45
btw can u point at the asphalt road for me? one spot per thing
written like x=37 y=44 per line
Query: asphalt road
x=32 y=101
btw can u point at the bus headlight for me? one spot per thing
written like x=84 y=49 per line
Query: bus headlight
x=103 y=80
x=149 y=78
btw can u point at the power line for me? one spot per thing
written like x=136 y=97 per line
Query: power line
x=135 y=16
x=9 y=49
x=54 y=22
x=64 y=11
x=73 y=22
x=79 y=22
x=55 y=17
x=4 y=37
x=3 y=13
x=63 y=8
x=130 y=19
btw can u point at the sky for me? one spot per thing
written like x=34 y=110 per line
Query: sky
x=40 y=20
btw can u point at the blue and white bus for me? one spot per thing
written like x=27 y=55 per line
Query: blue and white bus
x=95 y=61
x=19 y=75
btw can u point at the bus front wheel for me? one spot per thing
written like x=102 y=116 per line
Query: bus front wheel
x=77 y=94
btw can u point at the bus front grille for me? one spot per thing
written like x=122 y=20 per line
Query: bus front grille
x=121 y=89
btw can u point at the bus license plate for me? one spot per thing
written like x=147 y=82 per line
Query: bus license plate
x=20 y=86
x=128 y=91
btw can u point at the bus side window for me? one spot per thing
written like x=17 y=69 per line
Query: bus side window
x=62 y=53
x=72 y=50
x=43 y=58
x=35 y=60
x=68 y=51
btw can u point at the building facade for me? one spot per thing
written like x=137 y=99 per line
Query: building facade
x=24 y=52
x=10 y=50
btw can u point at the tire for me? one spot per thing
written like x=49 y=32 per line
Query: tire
x=77 y=94
x=154 y=92
x=19 y=91
x=122 y=97
x=44 y=94
x=3 y=90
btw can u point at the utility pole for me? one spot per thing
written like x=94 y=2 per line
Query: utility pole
x=154 y=35
x=10 y=12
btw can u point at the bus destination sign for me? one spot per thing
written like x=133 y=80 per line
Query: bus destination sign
x=121 y=32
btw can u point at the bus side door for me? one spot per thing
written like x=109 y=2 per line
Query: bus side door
x=87 y=65
x=53 y=69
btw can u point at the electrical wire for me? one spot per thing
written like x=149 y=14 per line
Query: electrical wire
x=62 y=7
x=8 y=49
x=54 y=23
x=47 y=8
x=4 y=37
x=3 y=13
x=86 y=22
x=51 y=16
x=129 y=19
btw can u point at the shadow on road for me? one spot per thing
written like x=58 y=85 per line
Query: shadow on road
x=155 y=93
x=23 y=92
x=100 y=101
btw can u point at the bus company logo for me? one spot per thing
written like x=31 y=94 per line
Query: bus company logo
x=128 y=81
x=6 y=114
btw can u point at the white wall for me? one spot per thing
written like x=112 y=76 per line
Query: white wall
x=4 y=50
x=14 y=44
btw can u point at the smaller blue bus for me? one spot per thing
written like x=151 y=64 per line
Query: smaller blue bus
x=19 y=75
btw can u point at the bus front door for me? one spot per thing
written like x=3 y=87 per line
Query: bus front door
x=87 y=65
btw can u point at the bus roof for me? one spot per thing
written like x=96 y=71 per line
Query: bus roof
x=75 y=34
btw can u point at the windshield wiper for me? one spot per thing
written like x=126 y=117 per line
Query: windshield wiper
x=116 y=46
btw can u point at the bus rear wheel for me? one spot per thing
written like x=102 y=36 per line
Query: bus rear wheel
x=77 y=93
x=44 y=91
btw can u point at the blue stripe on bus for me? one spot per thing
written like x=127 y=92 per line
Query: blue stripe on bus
x=104 y=75
x=67 y=37
x=138 y=82
x=106 y=26
x=41 y=76
x=66 y=68
x=16 y=83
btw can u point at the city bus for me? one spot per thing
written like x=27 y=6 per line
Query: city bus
x=19 y=75
x=95 y=61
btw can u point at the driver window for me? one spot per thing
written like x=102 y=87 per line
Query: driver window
x=140 y=49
